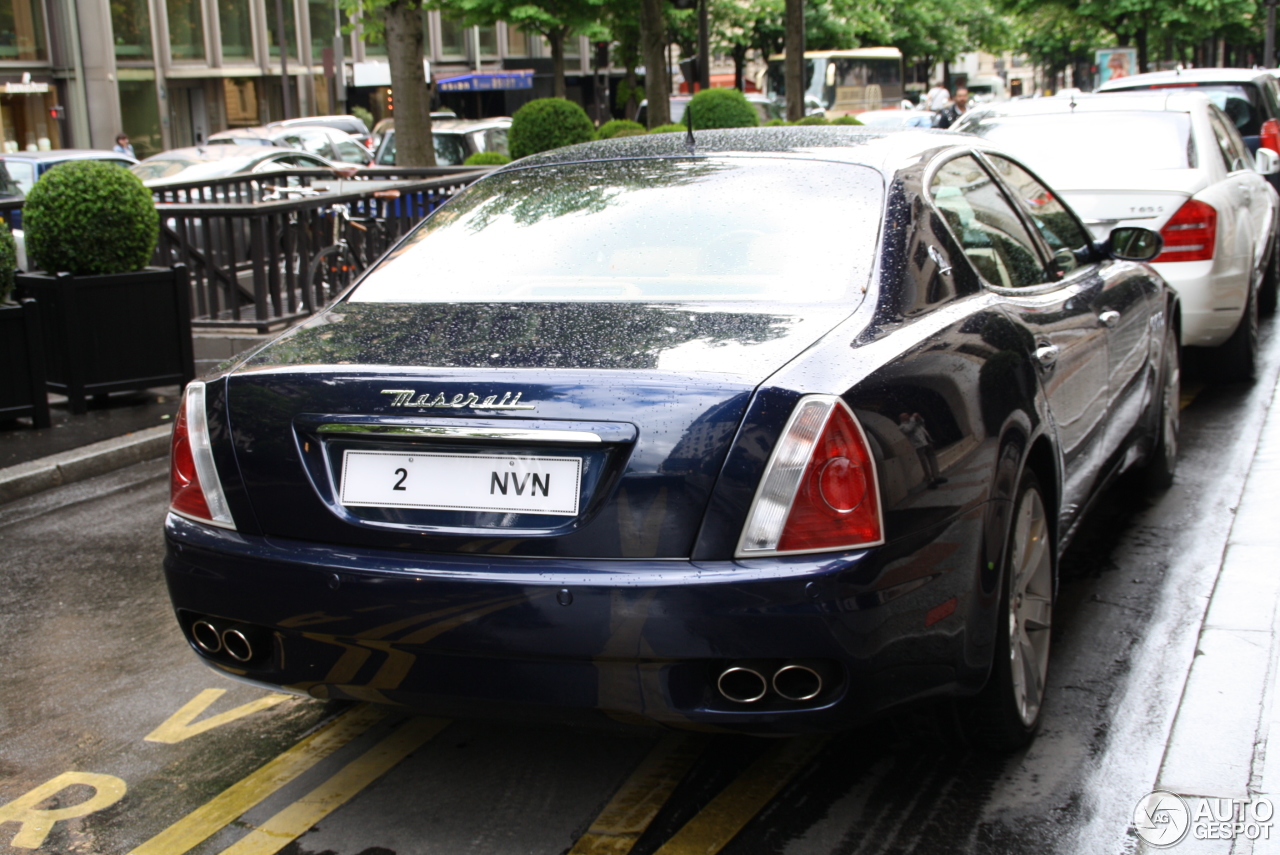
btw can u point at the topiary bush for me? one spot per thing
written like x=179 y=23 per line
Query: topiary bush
x=89 y=217
x=813 y=120
x=363 y=115
x=614 y=127
x=846 y=120
x=722 y=108
x=487 y=158
x=776 y=123
x=668 y=129
x=8 y=261
x=547 y=123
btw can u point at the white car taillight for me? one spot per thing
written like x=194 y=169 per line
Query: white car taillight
x=194 y=488
x=819 y=491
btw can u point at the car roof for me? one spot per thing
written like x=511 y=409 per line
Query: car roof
x=1187 y=75
x=1160 y=100
x=882 y=149
x=65 y=154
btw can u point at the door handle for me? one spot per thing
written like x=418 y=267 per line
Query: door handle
x=1109 y=318
x=1047 y=354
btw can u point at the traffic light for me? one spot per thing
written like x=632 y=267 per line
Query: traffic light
x=391 y=105
x=602 y=54
x=57 y=112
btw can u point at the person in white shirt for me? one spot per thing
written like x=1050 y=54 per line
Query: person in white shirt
x=937 y=97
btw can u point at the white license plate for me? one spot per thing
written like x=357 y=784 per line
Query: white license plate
x=461 y=482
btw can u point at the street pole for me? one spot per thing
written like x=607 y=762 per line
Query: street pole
x=282 y=39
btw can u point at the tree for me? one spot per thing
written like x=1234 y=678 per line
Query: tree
x=622 y=20
x=400 y=22
x=653 y=41
x=554 y=19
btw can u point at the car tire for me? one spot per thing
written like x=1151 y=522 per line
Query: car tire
x=1270 y=290
x=1006 y=714
x=1237 y=356
x=1162 y=463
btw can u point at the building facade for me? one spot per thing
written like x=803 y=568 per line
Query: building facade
x=75 y=73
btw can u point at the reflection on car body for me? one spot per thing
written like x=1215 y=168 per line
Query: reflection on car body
x=455 y=140
x=757 y=542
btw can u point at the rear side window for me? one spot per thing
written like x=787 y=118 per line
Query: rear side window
x=1242 y=102
x=1123 y=140
x=986 y=227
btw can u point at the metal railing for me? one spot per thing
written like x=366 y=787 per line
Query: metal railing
x=250 y=258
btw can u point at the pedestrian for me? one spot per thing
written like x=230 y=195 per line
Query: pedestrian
x=948 y=116
x=912 y=425
x=122 y=146
x=937 y=98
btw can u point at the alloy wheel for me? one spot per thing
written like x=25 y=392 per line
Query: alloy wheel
x=1030 y=606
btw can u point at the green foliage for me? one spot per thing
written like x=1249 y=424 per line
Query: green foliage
x=363 y=115
x=776 y=123
x=668 y=129
x=614 y=127
x=846 y=120
x=813 y=120
x=547 y=123
x=8 y=261
x=487 y=158
x=90 y=217
x=722 y=108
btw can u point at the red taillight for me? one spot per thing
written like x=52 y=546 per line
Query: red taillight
x=1190 y=234
x=1271 y=135
x=819 y=491
x=194 y=489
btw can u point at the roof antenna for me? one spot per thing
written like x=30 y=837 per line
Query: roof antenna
x=688 y=133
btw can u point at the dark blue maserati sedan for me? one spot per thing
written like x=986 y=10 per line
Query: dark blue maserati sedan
x=772 y=430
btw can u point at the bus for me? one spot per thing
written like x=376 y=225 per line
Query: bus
x=843 y=82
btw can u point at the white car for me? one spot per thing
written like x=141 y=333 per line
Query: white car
x=1172 y=162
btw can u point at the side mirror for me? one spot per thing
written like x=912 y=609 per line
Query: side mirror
x=1266 y=161
x=1132 y=243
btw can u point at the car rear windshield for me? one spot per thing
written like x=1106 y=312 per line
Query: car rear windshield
x=785 y=231
x=1120 y=141
x=1240 y=101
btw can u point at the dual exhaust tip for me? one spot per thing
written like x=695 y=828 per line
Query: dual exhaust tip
x=749 y=682
x=236 y=641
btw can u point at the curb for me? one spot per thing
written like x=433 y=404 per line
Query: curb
x=68 y=467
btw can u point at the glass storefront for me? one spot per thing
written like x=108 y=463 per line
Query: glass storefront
x=26 y=123
x=290 y=28
x=237 y=29
x=321 y=16
x=131 y=28
x=21 y=30
x=140 y=112
x=186 y=29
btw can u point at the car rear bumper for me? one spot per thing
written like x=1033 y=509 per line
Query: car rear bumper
x=1212 y=300
x=546 y=638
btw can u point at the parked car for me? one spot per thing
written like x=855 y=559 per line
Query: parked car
x=328 y=143
x=455 y=140
x=383 y=125
x=765 y=107
x=352 y=125
x=26 y=167
x=896 y=118
x=1173 y=162
x=1249 y=97
x=219 y=161
x=605 y=435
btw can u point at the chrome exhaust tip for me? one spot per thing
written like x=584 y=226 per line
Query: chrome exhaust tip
x=237 y=644
x=206 y=636
x=742 y=684
x=797 y=681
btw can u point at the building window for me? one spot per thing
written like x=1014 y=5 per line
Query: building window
x=290 y=29
x=131 y=26
x=241 y=98
x=488 y=41
x=375 y=44
x=140 y=116
x=21 y=30
x=323 y=24
x=237 y=29
x=517 y=42
x=453 y=37
x=186 y=29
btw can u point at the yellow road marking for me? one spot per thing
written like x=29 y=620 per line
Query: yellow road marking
x=295 y=820
x=728 y=813
x=228 y=805
x=1189 y=393
x=35 y=823
x=178 y=726
x=638 y=801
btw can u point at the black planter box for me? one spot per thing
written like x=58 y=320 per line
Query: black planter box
x=113 y=333
x=22 y=375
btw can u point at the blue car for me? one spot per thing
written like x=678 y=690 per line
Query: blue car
x=775 y=431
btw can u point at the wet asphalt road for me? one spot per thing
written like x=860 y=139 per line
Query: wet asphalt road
x=159 y=755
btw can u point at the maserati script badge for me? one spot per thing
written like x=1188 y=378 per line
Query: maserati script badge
x=405 y=398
